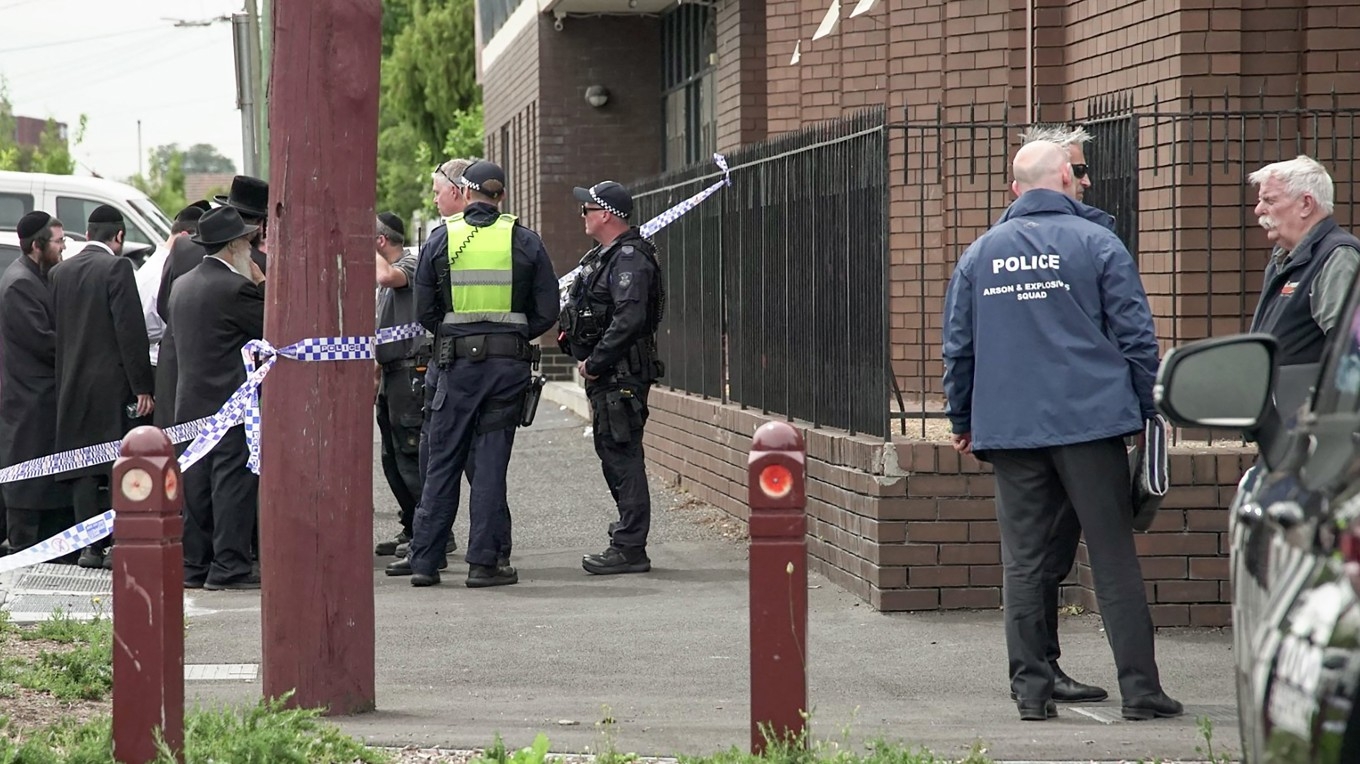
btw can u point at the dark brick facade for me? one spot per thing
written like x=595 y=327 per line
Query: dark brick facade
x=907 y=524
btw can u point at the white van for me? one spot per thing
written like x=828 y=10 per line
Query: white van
x=71 y=199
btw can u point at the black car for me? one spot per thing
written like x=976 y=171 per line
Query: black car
x=1295 y=528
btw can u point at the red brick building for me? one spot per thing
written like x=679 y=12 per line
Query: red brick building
x=864 y=160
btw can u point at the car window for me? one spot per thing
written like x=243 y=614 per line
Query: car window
x=75 y=213
x=13 y=207
x=8 y=254
x=1338 y=387
x=153 y=213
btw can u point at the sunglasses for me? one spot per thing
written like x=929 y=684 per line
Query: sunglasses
x=440 y=170
x=586 y=210
x=1079 y=171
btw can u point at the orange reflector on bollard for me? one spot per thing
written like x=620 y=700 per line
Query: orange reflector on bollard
x=776 y=481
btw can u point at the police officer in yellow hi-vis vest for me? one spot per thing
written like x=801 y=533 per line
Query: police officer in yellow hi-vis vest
x=485 y=287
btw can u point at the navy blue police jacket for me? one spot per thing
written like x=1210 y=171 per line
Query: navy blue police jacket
x=533 y=291
x=1048 y=338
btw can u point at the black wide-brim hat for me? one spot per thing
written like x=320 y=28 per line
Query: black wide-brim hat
x=250 y=196
x=221 y=226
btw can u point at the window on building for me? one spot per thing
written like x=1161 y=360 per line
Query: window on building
x=689 y=52
x=494 y=14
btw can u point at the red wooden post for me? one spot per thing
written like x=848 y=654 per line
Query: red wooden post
x=316 y=477
x=148 y=598
x=778 y=586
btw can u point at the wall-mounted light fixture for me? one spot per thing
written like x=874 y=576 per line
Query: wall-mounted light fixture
x=597 y=95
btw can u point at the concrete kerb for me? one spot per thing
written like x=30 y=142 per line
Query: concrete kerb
x=570 y=396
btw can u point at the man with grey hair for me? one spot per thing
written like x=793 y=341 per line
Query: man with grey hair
x=1313 y=256
x=1074 y=140
x=1047 y=288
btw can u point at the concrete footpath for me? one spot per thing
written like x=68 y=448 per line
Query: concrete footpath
x=665 y=654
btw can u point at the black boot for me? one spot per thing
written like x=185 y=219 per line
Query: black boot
x=402 y=567
x=1036 y=710
x=480 y=576
x=1151 y=707
x=614 y=560
x=389 y=548
x=91 y=557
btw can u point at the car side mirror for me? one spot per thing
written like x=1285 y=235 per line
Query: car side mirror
x=1219 y=383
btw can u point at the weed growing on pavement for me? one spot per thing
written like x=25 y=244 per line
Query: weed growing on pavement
x=268 y=732
x=497 y=753
x=1206 y=730
x=82 y=671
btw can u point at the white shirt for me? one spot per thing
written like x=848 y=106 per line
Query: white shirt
x=148 y=288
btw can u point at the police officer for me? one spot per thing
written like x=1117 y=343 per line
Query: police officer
x=485 y=287
x=1048 y=289
x=401 y=371
x=609 y=326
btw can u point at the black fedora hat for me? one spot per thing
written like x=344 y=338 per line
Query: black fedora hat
x=250 y=196
x=220 y=226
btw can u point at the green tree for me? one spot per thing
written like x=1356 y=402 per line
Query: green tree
x=203 y=157
x=164 y=181
x=51 y=155
x=430 y=99
x=433 y=67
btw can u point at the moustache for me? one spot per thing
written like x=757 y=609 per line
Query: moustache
x=1266 y=222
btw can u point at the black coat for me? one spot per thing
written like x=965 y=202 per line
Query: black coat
x=184 y=257
x=221 y=310
x=28 y=384
x=103 y=357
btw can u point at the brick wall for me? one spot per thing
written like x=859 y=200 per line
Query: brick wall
x=911 y=525
x=581 y=144
x=742 y=74
x=510 y=97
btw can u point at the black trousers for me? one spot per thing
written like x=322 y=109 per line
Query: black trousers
x=470 y=395
x=470 y=468
x=90 y=498
x=1066 y=538
x=617 y=421
x=221 y=501
x=400 y=399
x=1032 y=486
x=29 y=526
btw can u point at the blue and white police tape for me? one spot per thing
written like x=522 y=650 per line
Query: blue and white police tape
x=313 y=349
x=206 y=433
x=66 y=542
x=650 y=228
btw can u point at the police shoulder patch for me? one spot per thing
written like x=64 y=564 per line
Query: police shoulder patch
x=625 y=278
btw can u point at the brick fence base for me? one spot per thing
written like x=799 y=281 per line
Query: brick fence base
x=911 y=525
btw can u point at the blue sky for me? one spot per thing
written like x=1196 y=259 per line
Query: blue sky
x=119 y=62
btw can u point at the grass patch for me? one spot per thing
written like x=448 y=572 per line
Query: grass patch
x=79 y=667
x=263 y=734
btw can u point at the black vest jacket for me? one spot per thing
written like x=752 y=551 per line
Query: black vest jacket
x=1286 y=310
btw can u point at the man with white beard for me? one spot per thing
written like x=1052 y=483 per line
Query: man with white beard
x=217 y=307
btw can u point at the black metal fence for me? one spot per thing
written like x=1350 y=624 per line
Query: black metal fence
x=1176 y=182
x=777 y=289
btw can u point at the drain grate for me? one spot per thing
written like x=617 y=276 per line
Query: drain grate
x=46 y=582
x=1220 y=715
x=27 y=607
x=221 y=672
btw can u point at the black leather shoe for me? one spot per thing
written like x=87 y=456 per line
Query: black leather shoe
x=404 y=547
x=91 y=558
x=1036 y=710
x=244 y=583
x=1151 y=707
x=614 y=560
x=193 y=583
x=402 y=567
x=1068 y=690
x=420 y=579
x=389 y=548
x=480 y=576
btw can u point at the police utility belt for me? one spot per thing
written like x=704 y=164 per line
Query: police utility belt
x=479 y=347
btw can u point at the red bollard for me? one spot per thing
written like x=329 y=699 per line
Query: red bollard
x=779 y=591
x=148 y=598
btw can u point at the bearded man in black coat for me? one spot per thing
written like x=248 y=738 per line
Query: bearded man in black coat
x=104 y=377
x=40 y=507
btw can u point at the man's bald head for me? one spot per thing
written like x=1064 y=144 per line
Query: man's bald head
x=1041 y=164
